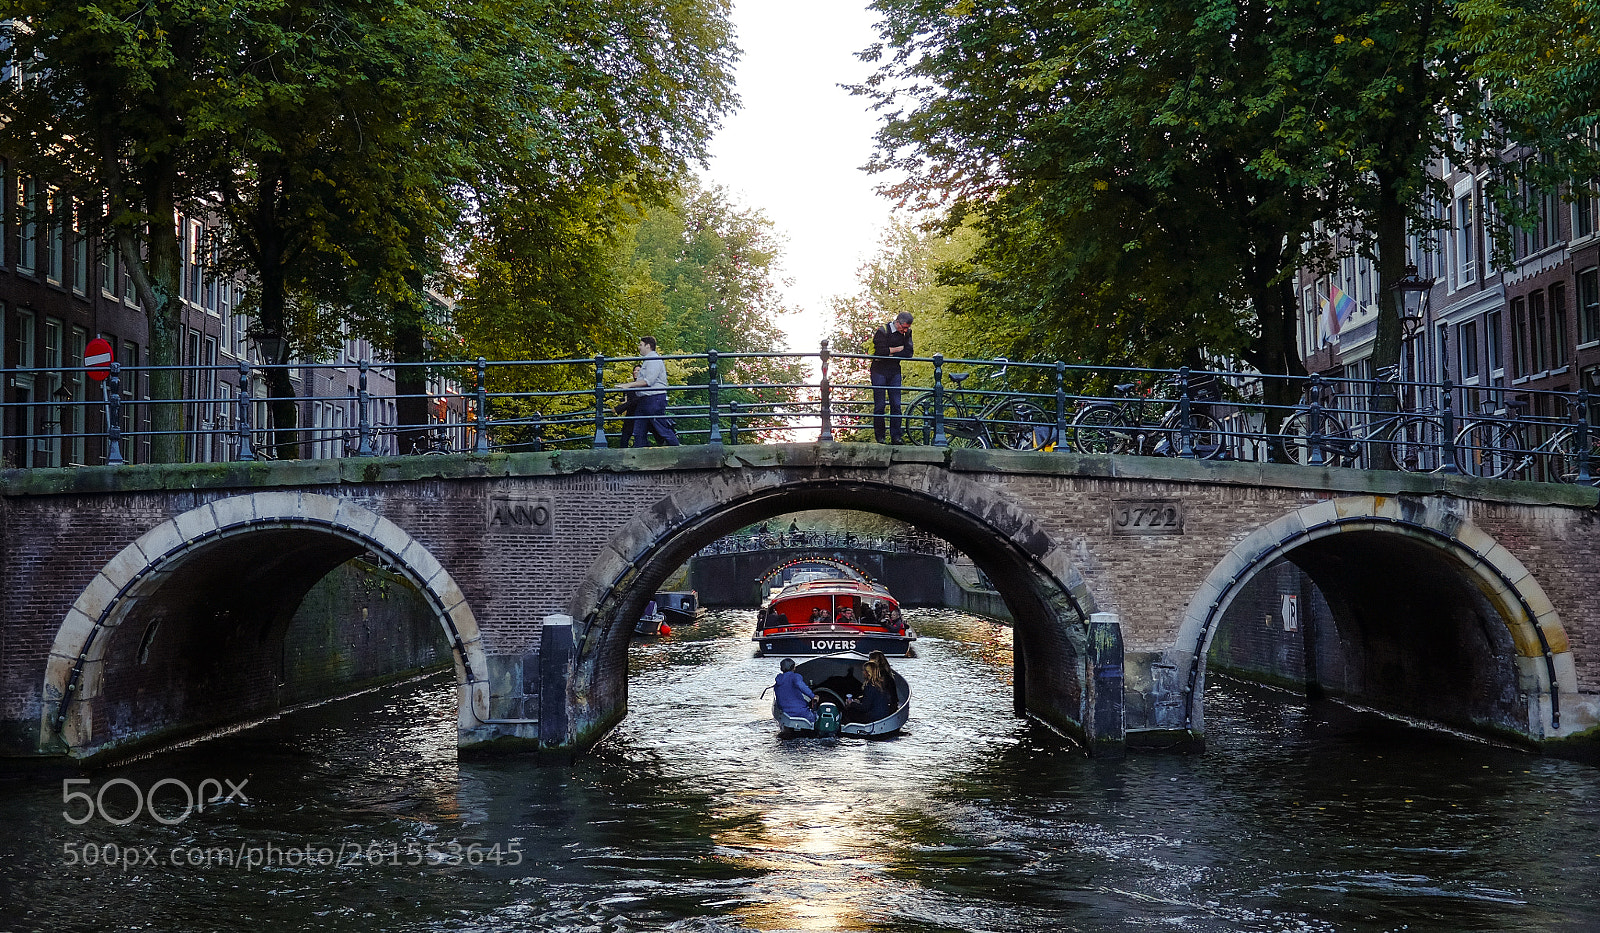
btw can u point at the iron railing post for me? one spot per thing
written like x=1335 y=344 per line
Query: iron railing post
x=364 y=445
x=600 y=402
x=247 y=450
x=733 y=422
x=480 y=401
x=1580 y=436
x=939 y=439
x=1061 y=406
x=1447 y=444
x=1314 y=439
x=1185 y=416
x=113 y=386
x=715 y=434
x=826 y=389
x=538 y=432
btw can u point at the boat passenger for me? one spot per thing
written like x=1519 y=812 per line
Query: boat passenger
x=877 y=691
x=893 y=621
x=794 y=695
x=819 y=614
x=847 y=616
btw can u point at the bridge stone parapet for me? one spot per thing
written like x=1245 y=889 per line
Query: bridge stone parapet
x=140 y=603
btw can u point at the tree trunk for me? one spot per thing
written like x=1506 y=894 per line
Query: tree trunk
x=411 y=382
x=284 y=406
x=155 y=267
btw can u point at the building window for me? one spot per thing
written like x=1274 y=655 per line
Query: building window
x=28 y=246
x=1583 y=209
x=1558 y=325
x=1491 y=341
x=1519 y=337
x=1466 y=258
x=1467 y=344
x=80 y=254
x=1538 y=333
x=54 y=241
x=1589 y=305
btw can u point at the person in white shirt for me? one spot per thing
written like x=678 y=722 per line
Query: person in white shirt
x=651 y=413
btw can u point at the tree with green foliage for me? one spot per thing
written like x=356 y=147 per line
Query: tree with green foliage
x=1150 y=174
x=353 y=144
x=714 y=267
x=105 y=114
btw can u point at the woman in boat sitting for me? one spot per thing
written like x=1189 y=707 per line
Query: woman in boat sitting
x=877 y=691
x=794 y=695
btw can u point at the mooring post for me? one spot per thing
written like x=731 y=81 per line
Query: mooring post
x=1103 y=720
x=555 y=670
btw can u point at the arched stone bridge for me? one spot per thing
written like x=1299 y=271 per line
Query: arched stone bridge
x=142 y=603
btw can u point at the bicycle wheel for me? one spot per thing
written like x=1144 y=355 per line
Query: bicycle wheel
x=966 y=432
x=1490 y=449
x=917 y=420
x=1418 y=445
x=1020 y=425
x=1098 y=429
x=1564 y=457
x=1294 y=439
x=1205 y=436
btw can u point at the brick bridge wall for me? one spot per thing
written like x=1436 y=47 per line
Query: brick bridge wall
x=135 y=600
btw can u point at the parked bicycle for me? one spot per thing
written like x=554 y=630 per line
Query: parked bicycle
x=974 y=418
x=1136 y=423
x=1415 y=438
x=1501 y=447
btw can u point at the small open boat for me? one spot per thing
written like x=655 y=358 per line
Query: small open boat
x=828 y=614
x=652 y=621
x=835 y=678
x=681 y=606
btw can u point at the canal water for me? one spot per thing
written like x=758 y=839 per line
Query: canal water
x=694 y=816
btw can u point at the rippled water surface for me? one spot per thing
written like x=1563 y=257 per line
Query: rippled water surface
x=695 y=816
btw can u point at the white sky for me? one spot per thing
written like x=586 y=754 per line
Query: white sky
x=795 y=147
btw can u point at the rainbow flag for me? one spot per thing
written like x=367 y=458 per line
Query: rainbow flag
x=1343 y=306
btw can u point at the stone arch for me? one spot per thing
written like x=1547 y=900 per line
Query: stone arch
x=200 y=542
x=1045 y=593
x=1435 y=526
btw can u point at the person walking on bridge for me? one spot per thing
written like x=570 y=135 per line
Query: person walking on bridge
x=651 y=412
x=891 y=343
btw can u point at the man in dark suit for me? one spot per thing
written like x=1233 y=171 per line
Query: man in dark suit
x=891 y=343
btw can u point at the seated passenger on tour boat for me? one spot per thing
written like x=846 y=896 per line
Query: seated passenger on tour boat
x=795 y=698
x=877 y=698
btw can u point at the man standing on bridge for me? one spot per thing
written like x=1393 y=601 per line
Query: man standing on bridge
x=651 y=413
x=891 y=343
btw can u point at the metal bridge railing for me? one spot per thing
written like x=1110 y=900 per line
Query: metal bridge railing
x=52 y=417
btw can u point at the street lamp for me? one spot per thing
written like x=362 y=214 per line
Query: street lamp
x=274 y=348
x=1414 y=291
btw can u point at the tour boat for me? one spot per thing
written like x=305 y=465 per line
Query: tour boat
x=681 y=606
x=814 y=614
x=835 y=679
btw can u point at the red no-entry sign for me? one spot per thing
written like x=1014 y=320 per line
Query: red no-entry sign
x=97 y=358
